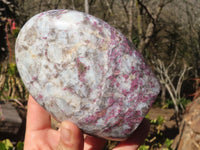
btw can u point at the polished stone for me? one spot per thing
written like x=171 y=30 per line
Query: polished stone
x=81 y=69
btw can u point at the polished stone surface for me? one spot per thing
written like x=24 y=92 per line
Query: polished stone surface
x=81 y=69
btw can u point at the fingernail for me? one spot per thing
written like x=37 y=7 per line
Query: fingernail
x=65 y=134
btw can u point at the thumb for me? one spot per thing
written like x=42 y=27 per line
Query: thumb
x=71 y=137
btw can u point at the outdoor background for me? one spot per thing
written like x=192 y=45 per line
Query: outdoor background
x=166 y=32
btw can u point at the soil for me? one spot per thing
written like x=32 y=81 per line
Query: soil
x=168 y=130
x=170 y=126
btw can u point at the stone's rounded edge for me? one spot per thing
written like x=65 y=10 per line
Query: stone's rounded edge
x=116 y=139
x=121 y=139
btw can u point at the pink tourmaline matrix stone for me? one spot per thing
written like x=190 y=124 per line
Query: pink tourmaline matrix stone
x=81 y=69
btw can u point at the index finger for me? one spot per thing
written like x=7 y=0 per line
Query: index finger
x=37 y=117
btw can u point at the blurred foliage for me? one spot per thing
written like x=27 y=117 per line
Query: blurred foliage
x=156 y=138
x=20 y=146
x=7 y=145
x=183 y=101
x=12 y=69
x=144 y=147
x=11 y=85
x=159 y=121
x=15 y=32
x=168 y=144
x=110 y=145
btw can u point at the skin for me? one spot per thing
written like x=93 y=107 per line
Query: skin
x=39 y=134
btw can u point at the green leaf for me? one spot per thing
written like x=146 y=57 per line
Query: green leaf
x=16 y=32
x=8 y=144
x=143 y=147
x=160 y=120
x=147 y=116
x=2 y=146
x=12 y=69
x=20 y=146
x=168 y=143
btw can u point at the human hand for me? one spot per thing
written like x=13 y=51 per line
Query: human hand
x=40 y=136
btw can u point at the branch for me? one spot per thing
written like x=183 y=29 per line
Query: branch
x=173 y=98
x=109 y=7
x=145 y=40
x=146 y=9
x=92 y=2
x=73 y=5
x=56 y=6
x=181 y=78
x=86 y=7
x=125 y=8
x=160 y=7
x=173 y=60
x=164 y=75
